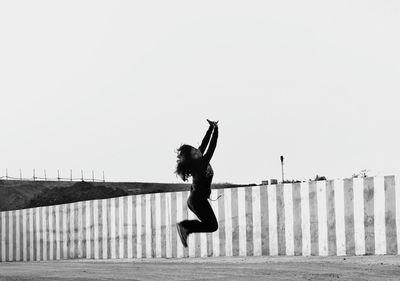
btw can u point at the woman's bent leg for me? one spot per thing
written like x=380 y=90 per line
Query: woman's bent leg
x=200 y=206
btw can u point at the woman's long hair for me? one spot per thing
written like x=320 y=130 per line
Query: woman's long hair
x=185 y=166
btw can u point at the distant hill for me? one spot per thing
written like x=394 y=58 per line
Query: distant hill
x=80 y=191
x=16 y=194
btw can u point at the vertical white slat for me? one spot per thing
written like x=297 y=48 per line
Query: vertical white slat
x=139 y=225
x=256 y=203
x=273 y=221
x=10 y=236
x=57 y=230
x=31 y=232
x=305 y=218
x=54 y=229
x=44 y=232
x=397 y=200
x=79 y=232
x=203 y=245
x=168 y=225
x=96 y=230
x=24 y=235
x=121 y=234
x=158 y=224
x=87 y=231
x=72 y=229
x=379 y=214
x=17 y=236
x=149 y=234
x=112 y=228
x=104 y=237
x=228 y=222
x=215 y=234
x=64 y=231
x=3 y=236
x=38 y=235
x=339 y=218
x=359 y=229
x=79 y=229
x=242 y=221
x=51 y=233
x=288 y=209
x=129 y=218
x=179 y=215
x=322 y=219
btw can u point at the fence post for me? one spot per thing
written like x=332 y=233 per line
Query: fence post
x=70 y=174
x=45 y=175
x=104 y=179
x=34 y=177
x=20 y=174
x=92 y=176
x=58 y=175
x=6 y=173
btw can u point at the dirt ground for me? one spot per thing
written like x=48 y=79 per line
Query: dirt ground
x=237 y=268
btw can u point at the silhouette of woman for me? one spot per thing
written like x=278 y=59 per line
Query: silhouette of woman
x=195 y=163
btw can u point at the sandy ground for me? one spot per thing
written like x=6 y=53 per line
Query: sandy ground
x=237 y=268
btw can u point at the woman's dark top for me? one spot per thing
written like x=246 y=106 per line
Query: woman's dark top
x=203 y=173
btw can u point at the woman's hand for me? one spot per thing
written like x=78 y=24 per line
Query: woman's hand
x=213 y=123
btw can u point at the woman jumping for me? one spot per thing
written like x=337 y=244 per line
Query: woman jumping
x=195 y=163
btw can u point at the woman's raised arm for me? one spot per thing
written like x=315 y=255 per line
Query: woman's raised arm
x=206 y=138
x=213 y=144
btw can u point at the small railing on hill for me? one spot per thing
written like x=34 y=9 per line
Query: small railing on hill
x=44 y=177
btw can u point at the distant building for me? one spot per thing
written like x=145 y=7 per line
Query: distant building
x=271 y=181
x=274 y=181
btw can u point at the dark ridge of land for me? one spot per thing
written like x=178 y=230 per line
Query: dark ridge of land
x=17 y=194
x=80 y=191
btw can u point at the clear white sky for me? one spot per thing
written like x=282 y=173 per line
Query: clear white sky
x=119 y=85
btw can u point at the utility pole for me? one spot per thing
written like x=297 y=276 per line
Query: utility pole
x=283 y=178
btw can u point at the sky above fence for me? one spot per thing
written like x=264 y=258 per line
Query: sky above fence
x=119 y=85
